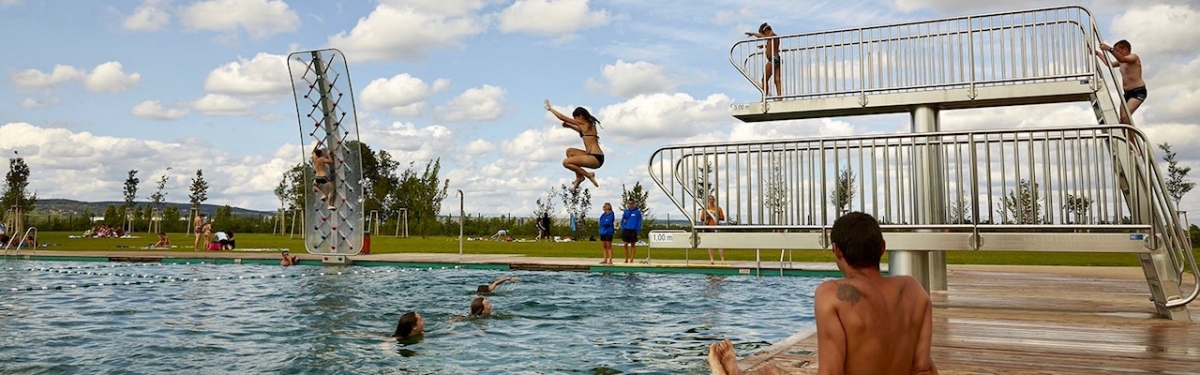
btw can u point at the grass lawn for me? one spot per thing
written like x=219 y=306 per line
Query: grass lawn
x=389 y=244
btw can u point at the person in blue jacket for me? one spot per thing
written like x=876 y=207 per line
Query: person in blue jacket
x=606 y=232
x=631 y=224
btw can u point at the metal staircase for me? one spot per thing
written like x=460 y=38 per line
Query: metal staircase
x=1090 y=188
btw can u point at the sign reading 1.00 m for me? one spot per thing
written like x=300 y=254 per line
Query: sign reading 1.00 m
x=662 y=237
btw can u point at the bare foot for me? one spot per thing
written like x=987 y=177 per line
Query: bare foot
x=714 y=360
x=728 y=357
x=577 y=181
x=591 y=177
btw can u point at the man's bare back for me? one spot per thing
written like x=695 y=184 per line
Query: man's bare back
x=867 y=323
x=874 y=325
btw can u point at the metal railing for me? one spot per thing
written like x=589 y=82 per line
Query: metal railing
x=1041 y=45
x=15 y=244
x=1035 y=180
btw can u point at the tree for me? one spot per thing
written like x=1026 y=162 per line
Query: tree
x=131 y=188
x=705 y=184
x=378 y=175
x=159 y=197
x=577 y=202
x=1023 y=204
x=16 y=185
x=960 y=211
x=111 y=218
x=545 y=206
x=639 y=197
x=224 y=215
x=1078 y=206
x=843 y=193
x=199 y=190
x=775 y=198
x=1177 y=182
x=170 y=218
x=422 y=195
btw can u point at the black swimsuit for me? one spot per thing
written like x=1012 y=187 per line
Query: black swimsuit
x=599 y=157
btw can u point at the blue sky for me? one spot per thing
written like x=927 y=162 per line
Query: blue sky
x=93 y=89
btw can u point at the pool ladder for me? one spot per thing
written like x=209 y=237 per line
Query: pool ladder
x=14 y=244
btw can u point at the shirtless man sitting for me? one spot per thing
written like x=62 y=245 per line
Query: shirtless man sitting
x=321 y=184
x=867 y=323
x=1131 y=75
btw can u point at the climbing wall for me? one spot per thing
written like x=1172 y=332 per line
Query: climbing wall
x=325 y=111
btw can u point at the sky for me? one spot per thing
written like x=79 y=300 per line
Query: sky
x=92 y=89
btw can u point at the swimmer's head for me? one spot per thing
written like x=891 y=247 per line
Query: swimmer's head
x=483 y=289
x=410 y=324
x=480 y=306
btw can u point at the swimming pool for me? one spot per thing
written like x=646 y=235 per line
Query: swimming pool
x=205 y=318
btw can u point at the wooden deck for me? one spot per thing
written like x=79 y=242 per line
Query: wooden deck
x=1039 y=320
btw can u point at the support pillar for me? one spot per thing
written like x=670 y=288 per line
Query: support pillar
x=928 y=267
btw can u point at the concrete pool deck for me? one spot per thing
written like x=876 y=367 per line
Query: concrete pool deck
x=992 y=320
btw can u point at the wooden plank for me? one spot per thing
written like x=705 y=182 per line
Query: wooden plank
x=999 y=321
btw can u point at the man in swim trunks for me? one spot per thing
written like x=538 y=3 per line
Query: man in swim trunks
x=1131 y=75
x=321 y=160
x=868 y=323
x=771 y=52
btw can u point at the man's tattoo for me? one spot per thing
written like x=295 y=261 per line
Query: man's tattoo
x=848 y=293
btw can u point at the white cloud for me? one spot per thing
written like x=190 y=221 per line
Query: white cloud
x=391 y=33
x=402 y=94
x=223 y=105
x=406 y=141
x=663 y=116
x=631 y=79
x=550 y=17
x=258 y=18
x=36 y=79
x=150 y=16
x=154 y=110
x=479 y=147
x=438 y=7
x=108 y=77
x=540 y=145
x=265 y=75
x=66 y=167
x=38 y=103
x=485 y=103
x=1159 y=29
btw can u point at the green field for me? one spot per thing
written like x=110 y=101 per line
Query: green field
x=389 y=244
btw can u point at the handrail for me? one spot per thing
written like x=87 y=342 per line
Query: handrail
x=20 y=241
x=965 y=51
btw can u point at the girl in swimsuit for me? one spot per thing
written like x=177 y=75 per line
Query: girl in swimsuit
x=591 y=156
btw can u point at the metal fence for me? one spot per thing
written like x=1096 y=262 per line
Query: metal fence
x=1051 y=44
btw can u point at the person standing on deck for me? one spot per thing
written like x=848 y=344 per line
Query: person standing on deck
x=713 y=215
x=631 y=224
x=606 y=233
x=771 y=52
x=1131 y=75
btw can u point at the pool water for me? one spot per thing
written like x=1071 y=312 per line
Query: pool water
x=205 y=318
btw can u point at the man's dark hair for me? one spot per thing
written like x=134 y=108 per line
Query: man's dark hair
x=483 y=289
x=406 y=324
x=860 y=239
x=1123 y=44
x=477 y=306
x=319 y=152
x=763 y=27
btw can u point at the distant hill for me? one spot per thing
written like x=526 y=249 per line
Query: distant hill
x=71 y=207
